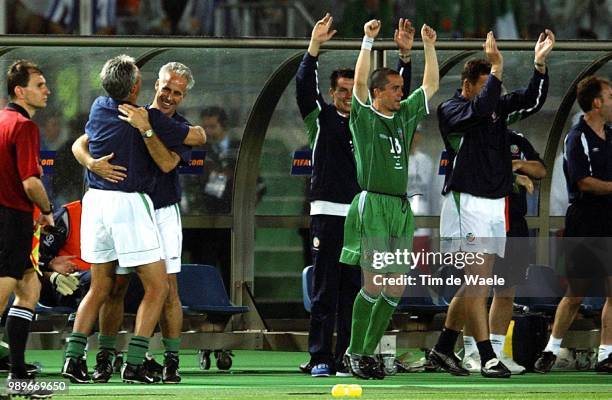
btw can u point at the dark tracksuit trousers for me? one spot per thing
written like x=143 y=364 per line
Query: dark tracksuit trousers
x=335 y=286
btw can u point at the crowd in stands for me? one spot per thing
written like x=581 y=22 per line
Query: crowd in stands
x=510 y=19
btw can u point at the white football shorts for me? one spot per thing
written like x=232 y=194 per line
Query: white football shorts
x=171 y=232
x=119 y=226
x=472 y=224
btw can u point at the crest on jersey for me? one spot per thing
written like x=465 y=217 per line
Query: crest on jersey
x=48 y=240
x=470 y=237
x=514 y=149
x=400 y=133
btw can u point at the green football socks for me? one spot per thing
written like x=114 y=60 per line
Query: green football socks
x=107 y=342
x=362 y=310
x=137 y=349
x=381 y=314
x=172 y=345
x=75 y=347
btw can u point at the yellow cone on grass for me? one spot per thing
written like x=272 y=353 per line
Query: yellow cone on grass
x=355 y=391
x=342 y=390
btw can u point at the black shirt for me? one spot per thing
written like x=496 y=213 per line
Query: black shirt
x=520 y=149
x=476 y=137
x=586 y=154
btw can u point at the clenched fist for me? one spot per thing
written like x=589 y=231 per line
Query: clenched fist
x=371 y=28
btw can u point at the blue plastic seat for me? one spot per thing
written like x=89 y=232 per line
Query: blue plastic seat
x=201 y=290
x=307 y=287
x=417 y=300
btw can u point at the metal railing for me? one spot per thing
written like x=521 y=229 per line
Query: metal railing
x=273 y=43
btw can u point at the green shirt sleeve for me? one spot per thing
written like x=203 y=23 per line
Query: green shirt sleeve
x=359 y=115
x=414 y=109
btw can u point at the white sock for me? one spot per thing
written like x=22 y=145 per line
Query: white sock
x=497 y=341
x=554 y=345
x=469 y=345
x=604 y=351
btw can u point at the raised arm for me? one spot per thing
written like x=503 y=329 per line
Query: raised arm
x=404 y=38
x=321 y=33
x=431 y=74
x=458 y=116
x=308 y=95
x=362 y=68
x=487 y=100
x=494 y=56
x=543 y=47
x=521 y=103
x=99 y=166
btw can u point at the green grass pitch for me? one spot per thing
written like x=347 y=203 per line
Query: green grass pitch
x=274 y=375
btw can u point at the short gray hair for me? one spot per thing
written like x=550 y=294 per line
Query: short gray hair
x=119 y=75
x=179 y=69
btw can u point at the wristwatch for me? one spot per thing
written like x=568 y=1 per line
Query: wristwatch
x=48 y=212
x=148 y=133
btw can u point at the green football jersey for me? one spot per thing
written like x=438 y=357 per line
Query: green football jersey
x=382 y=143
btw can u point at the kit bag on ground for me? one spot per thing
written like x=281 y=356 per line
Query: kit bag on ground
x=529 y=337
